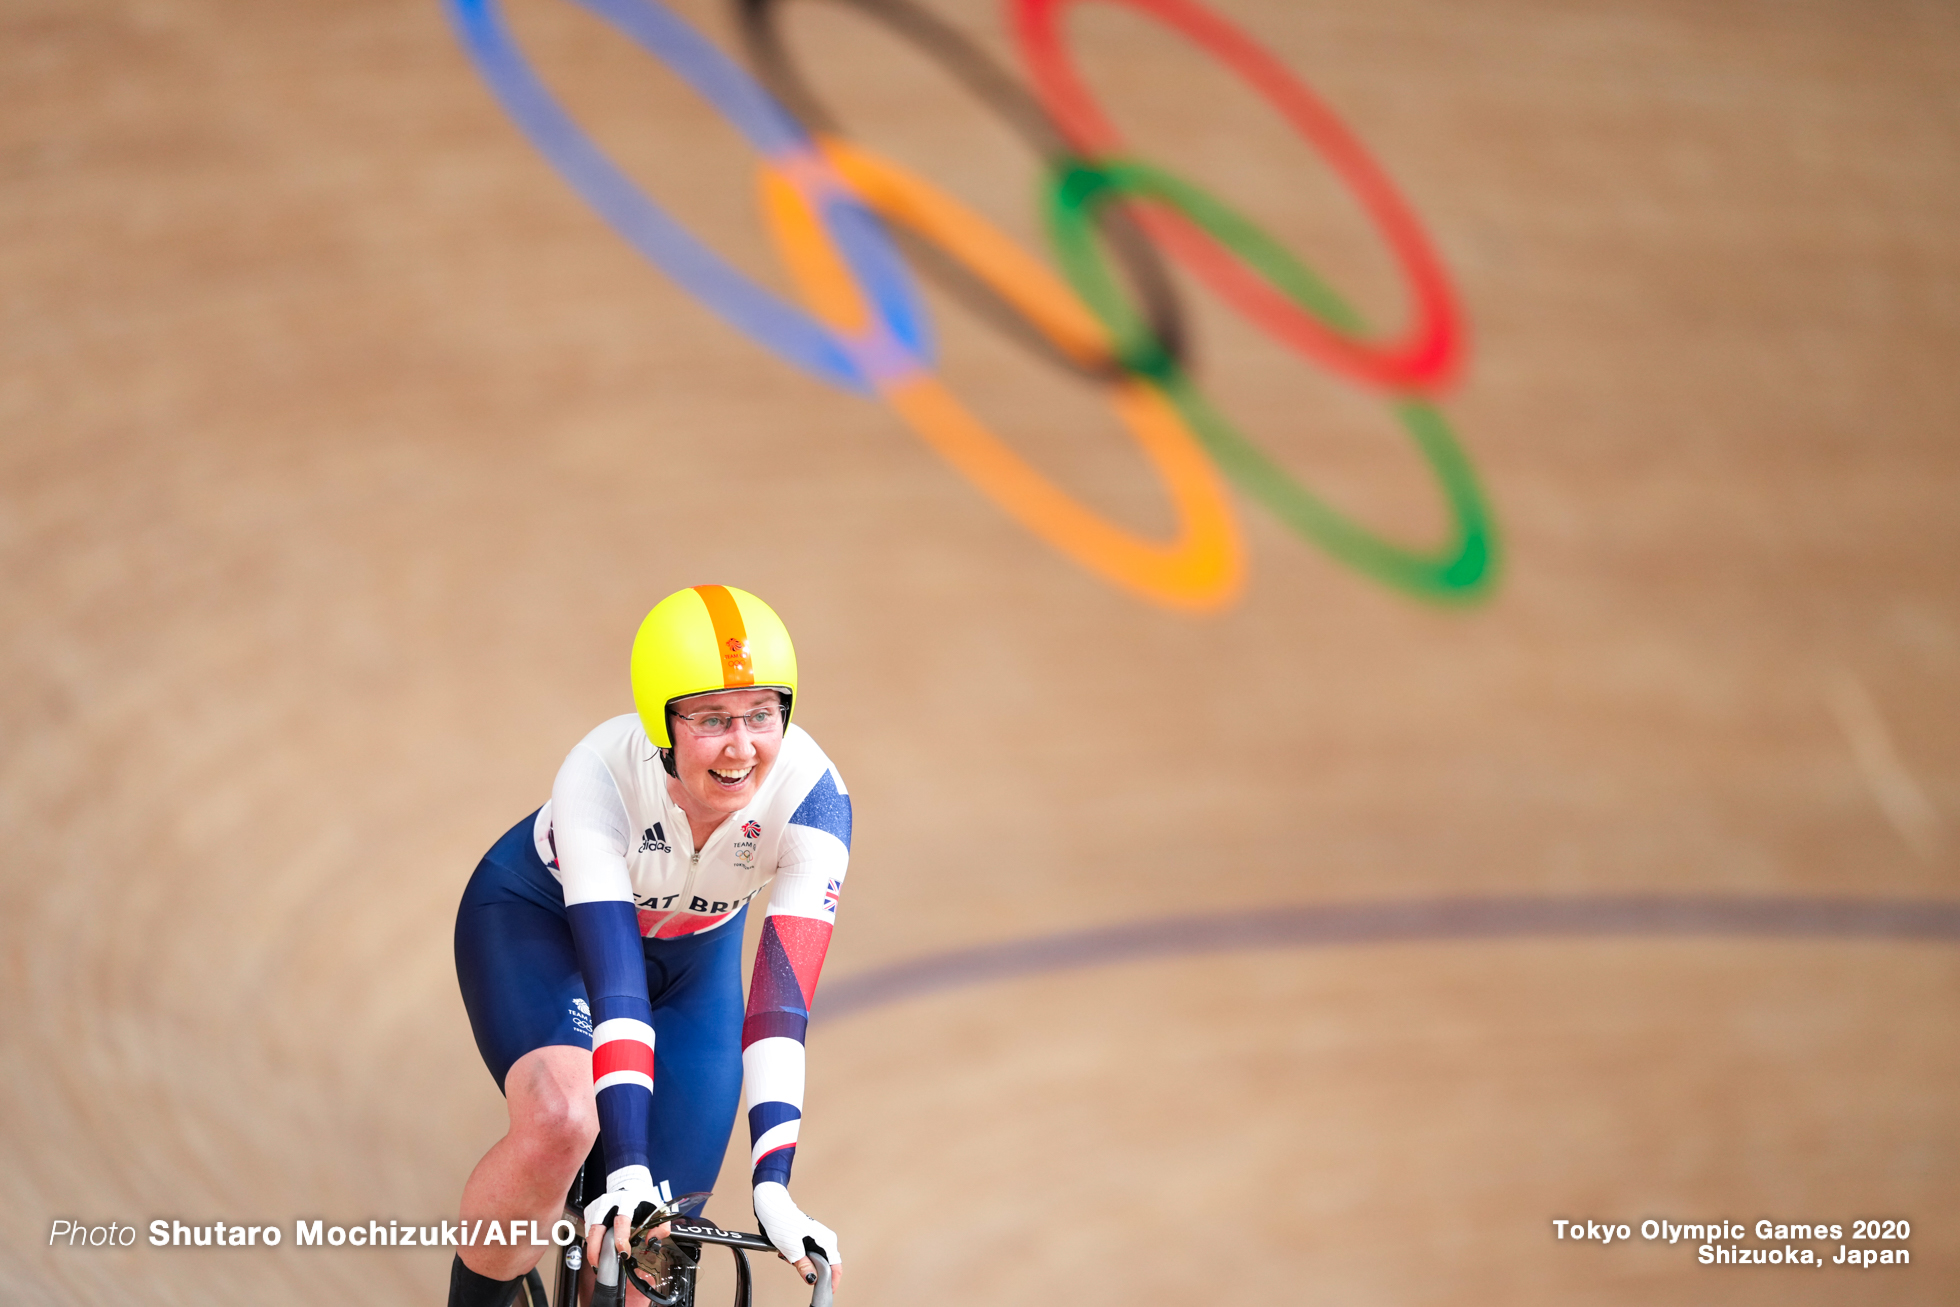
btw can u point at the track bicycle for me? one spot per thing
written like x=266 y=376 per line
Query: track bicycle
x=662 y=1269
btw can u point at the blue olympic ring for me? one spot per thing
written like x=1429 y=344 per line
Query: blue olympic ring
x=898 y=342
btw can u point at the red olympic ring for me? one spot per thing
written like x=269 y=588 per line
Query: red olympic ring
x=1425 y=357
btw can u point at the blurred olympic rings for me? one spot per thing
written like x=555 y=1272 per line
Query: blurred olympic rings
x=1024 y=115
x=1311 y=319
x=865 y=328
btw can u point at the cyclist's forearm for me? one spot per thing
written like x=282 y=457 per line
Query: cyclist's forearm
x=788 y=960
x=590 y=835
x=816 y=852
x=607 y=938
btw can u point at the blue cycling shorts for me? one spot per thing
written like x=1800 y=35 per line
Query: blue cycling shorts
x=522 y=989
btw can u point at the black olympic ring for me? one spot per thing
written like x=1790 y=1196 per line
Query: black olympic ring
x=1143 y=266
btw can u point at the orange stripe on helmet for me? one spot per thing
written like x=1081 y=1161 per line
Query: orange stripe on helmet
x=731 y=636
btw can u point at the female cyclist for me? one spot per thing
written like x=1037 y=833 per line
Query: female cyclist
x=599 y=944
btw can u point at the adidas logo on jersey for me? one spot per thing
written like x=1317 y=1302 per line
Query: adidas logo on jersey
x=655 y=841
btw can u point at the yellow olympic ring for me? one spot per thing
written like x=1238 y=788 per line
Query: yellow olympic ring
x=1202 y=568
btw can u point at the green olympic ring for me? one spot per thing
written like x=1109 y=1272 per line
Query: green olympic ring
x=1462 y=570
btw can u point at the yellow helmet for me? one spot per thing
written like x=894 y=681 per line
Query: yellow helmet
x=708 y=637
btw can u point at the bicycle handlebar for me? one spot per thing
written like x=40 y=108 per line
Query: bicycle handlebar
x=700 y=1231
x=691 y=1232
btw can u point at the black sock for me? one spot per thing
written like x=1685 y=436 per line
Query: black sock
x=468 y=1289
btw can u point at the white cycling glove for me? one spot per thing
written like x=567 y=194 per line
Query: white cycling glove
x=631 y=1186
x=785 y=1225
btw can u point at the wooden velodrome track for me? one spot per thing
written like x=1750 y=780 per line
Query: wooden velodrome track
x=344 y=446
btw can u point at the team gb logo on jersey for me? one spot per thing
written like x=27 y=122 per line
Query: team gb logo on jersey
x=746 y=846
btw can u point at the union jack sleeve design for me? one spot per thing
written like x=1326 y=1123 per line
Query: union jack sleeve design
x=607 y=937
x=590 y=838
x=788 y=959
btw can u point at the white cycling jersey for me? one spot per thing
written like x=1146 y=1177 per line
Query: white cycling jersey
x=612 y=831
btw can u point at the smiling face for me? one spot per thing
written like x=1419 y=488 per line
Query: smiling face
x=720 y=774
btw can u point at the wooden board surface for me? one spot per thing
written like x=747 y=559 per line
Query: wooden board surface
x=342 y=447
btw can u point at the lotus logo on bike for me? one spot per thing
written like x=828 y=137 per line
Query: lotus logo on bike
x=1114 y=318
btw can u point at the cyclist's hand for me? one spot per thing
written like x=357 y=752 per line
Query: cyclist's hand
x=785 y=1225
x=625 y=1205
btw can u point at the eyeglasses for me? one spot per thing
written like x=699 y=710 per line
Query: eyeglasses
x=763 y=721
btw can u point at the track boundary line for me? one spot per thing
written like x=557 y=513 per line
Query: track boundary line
x=1445 y=920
